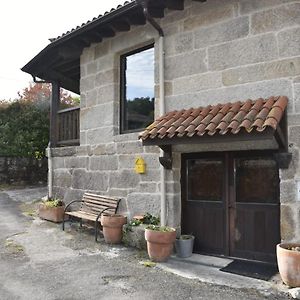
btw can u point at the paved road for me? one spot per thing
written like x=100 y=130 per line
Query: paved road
x=39 y=261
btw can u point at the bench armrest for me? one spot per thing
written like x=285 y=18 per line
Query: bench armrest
x=99 y=215
x=71 y=203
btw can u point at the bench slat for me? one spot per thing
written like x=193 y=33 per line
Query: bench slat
x=99 y=198
x=80 y=214
x=103 y=203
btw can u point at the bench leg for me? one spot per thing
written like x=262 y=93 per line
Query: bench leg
x=96 y=231
x=63 y=223
x=80 y=222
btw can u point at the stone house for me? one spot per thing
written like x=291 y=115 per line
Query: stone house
x=228 y=169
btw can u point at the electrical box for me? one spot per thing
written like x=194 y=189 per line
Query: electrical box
x=140 y=166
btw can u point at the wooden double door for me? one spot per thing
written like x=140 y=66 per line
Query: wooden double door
x=230 y=202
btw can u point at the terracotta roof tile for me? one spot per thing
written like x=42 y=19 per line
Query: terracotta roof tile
x=229 y=118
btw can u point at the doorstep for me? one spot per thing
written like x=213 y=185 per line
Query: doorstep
x=207 y=269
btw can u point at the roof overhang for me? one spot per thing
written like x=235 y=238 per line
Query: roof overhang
x=60 y=60
x=260 y=121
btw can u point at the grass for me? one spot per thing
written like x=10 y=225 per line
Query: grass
x=13 y=247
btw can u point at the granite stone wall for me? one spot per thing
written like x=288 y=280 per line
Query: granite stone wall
x=23 y=170
x=215 y=52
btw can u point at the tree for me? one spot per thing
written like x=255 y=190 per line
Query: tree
x=24 y=122
x=37 y=92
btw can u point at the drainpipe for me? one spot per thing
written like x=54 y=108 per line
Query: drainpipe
x=50 y=172
x=144 y=4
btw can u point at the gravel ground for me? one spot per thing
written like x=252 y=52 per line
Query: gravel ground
x=40 y=261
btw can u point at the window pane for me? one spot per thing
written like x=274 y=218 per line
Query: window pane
x=257 y=181
x=138 y=111
x=205 y=180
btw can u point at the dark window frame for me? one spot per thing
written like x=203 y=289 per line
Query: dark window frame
x=123 y=100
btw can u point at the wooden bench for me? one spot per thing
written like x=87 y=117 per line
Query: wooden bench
x=91 y=208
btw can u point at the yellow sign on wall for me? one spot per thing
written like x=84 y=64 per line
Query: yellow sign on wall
x=140 y=166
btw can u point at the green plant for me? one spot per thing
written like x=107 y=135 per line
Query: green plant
x=38 y=154
x=132 y=223
x=185 y=237
x=149 y=219
x=53 y=203
x=160 y=228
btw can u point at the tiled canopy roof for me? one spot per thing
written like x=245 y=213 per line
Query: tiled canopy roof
x=220 y=119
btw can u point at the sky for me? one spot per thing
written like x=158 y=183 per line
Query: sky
x=26 y=26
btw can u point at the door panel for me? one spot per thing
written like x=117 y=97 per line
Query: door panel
x=203 y=209
x=257 y=209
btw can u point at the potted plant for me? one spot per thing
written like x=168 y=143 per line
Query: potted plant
x=160 y=241
x=52 y=210
x=184 y=245
x=288 y=259
x=112 y=227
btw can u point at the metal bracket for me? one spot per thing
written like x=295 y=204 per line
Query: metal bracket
x=166 y=159
x=283 y=159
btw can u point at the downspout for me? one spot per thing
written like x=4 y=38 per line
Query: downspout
x=50 y=172
x=144 y=4
x=49 y=154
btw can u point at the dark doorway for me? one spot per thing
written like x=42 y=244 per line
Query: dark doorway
x=231 y=204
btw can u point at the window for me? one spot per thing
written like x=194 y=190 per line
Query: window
x=137 y=89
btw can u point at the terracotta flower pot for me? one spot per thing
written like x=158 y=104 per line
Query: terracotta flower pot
x=112 y=228
x=54 y=214
x=160 y=244
x=289 y=264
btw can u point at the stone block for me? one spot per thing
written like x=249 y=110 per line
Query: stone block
x=140 y=203
x=58 y=163
x=137 y=37
x=102 y=49
x=62 y=178
x=174 y=210
x=247 y=6
x=77 y=162
x=91 y=68
x=108 y=62
x=287 y=191
x=289 y=42
x=107 y=93
x=92 y=181
x=62 y=152
x=106 y=77
x=294 y=135
x=185 y=64
x=196 y=83
x=152 y=175
x=87 y=55
x=124 y=179
x=103 y=162
x=297 y=98
x=222 y=32
x=108 y=148
x=179 y=43
x=294 y=166
x=276 y=19
x=91 y=98
x=129 y=147
x=83 y=70
x=97 y=116
x=287 y=223
x=148 y=187
x=264 y=71
x=83 y=150
x=229 y=94
x=134 y=236
x=99 y=135
x=293 y=119
x=174 y=16
x=83 y=137
x=151 y=149
x=207 y=14
x=241 y=52
x=126 y=161
x=87 y=83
